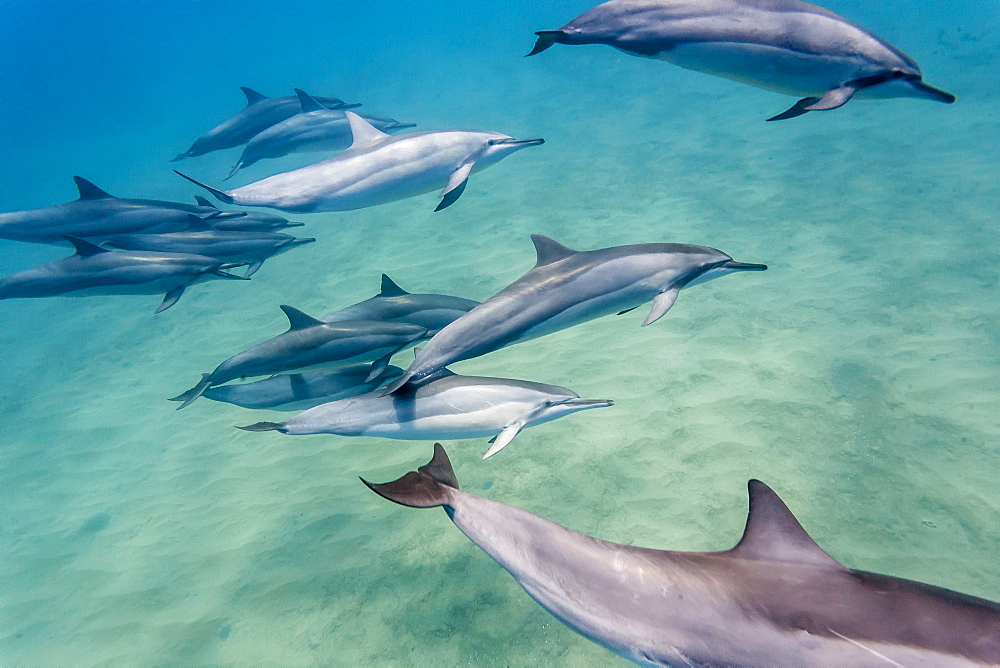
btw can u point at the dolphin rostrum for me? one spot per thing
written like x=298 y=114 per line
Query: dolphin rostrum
x=260 y=113
x=787 y=46
x=93 y=270
x=313 y=343
x=568 y=287
x=449 y=407
x=97 y=214
x=394 y=304
x=253 y=221
x=315 y=129
x=776 y=599
x=379 y=168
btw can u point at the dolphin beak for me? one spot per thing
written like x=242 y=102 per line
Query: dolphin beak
x=733 y=265
x=588 y=403
x=294 y=225
x=520 y=143
x=933 y=93
x=302 y=242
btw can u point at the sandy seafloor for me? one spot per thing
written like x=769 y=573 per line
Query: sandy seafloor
x=859 y=376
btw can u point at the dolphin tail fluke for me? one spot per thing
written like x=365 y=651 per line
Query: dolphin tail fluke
x=547 y=38
x=264 y=426
x=194 y=392
x=219 y=194
x=430 y=485
x=170 y=299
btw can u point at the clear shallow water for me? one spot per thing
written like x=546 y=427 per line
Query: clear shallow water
x=858 y=376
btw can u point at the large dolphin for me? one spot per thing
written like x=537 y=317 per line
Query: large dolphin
x=379 y=168
x=776 y=599
x=787 y=46
x=93 y=270
x=300 y=391
x=253 y=221
x=315 y=129
x=313 y=343
x=250 y=248
x=97 y=214
x=449 y=407
x=260 y=113
x=568 y=287
x=394 y=304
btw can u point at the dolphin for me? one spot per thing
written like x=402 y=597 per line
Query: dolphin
x=300 y=391
x=379 y=168
x=315 y=129
x=786 y=46
x=776 y=599
x=568 y=287
x=93 y=270
x=394 y=304
x=250 y=248
x=253 y=221
x=98 y=214
x=449 y=407
x=260 y=113
x=312 y=343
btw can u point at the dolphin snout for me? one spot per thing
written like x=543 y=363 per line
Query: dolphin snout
x=517 y=142
x=733 y=265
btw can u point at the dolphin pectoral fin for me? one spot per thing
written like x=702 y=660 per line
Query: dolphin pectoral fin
x=456 y=186
x=237 y=167
x=796 y=109
x=501 y=440
x=546 y=38
x=170 y=299
x=661 y=304
x=195 y=391
x=628 y=310
x=252 y=269
x=833 y=99
x=263 y=426
x=427 y=487
x=378 y=366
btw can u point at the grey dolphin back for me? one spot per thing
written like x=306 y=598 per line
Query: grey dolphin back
x=429 y=486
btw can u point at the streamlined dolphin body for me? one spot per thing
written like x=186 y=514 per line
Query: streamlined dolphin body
x=312 y=343
x=260 y=113
x=568 y=287
x=776 y=599
x=253 y=221
x=315 y=129
x=97 y=215
x=93 y=270
x=449 y=407
x=379 y=168
x=787 y=46
x=394 y=304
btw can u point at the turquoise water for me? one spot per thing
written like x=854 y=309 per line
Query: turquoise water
x=858 y=376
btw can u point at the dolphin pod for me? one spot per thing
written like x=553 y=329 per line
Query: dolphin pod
x=786 y=46
x=775 y=599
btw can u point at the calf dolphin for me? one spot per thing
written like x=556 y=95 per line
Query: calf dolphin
x=787 y=46
x=253 y=221
x=300 y=391
x=93 y=270
x=776 y=599
x=98 y=214
x=260 y=113
x=315 y=129
x=394 y=304
x=379 y=168
x=568 y=287
x=311 y=343
x=449 y=407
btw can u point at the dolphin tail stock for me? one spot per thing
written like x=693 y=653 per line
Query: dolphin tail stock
x=431 y=485
x=194 y=392
x=264 y=426
x=547 y=38
x=219 y=194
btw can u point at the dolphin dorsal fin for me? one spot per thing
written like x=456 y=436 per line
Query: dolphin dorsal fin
x=363 y=131
x=549 y=250
x=773 y=534
x=198 y=224
x=89 y=191
x=85 y=248
x=299 y=320
x=253 y=97
x=390 y=289
x=308 y=102
x=204 y=202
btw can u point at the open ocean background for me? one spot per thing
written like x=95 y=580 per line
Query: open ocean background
x=859 y=376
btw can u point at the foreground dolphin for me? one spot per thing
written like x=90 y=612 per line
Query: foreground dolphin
x=311 y=343
x=93 y=270
x=260 y=113
x=776 y=599
x=568 y=287
x=301 y=391
x=315 y=129
x=449 y=407
x=254 y=221
x=98 y=214
x=394 y=304
x=787 y=46
x=250 y=248
x=379 y=168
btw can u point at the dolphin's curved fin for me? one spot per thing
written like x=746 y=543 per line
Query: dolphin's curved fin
x=198 y=224
x=299 y=320
x=427 y=487
x=170 y=299
x=661 y=304
x=253 y=97
x=264 y=426
x=195 y=391
x=362 y=131
x=219 y=194
x=308 y=102
x=501 y=440
x=549 y=250
x=833 y=99
x=202 y=201
x=252 y=269
x=796 y=110
x=232 y=172
x=547 y=38
x=456 y=186
x=85 y=248
x=390 y=289
x=773 y=534
x=89 y=191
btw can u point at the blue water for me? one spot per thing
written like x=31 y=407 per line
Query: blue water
x=858 y=376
